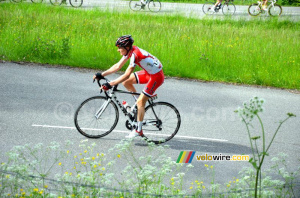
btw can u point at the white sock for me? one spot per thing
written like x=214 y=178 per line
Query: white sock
x=139 y=128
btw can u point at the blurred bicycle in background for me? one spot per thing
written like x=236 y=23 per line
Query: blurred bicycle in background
x=153 y=5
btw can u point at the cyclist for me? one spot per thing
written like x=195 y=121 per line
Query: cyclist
x=152 y=75
x=264 y=5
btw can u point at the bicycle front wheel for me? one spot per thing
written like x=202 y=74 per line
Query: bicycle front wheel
x=76 y=3
x=135 y=5
x=228 y=9
x=161 y=122
x=96 y=117
x=275 y=10
x=154 y=5
x=56 y=2
x=208 y=8
x=254 y=9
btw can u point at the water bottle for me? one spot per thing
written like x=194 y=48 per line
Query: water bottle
x=126 y=106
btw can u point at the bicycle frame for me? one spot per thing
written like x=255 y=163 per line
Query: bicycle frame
x=260 y=3
x=272 y=4
x=111 y=96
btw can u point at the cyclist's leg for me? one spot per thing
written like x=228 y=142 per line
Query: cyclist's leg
x=140 y=77
x=128 y=84
x=155 y=81
x=141 y=103
x=218 y=2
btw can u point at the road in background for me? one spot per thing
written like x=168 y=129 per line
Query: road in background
x=183 y=9
x=187 y=9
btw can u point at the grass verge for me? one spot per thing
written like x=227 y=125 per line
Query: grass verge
x=261 y=52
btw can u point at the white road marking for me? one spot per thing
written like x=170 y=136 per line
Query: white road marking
x=119 y=131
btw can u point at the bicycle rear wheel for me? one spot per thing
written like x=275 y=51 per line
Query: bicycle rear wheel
x=76 y=3
x=208 y=8
x=254 y=9
x=275 y=10
x=56 y=2
x=96 y=117
x=135 y=5
x=228 y=9
x=154 y=5
x=161 y=122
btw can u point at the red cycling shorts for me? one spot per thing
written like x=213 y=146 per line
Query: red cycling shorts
x=153 y=81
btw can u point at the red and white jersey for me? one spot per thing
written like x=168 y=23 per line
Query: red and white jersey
x=144 y=59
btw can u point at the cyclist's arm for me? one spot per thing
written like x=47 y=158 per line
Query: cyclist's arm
x=116 y=67
x=124 y=77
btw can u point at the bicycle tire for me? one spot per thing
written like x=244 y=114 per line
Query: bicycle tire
x=154 y=5
x=162 y=130
x=86 y=113
x=56 y=2
x=254 y=9
x=76 y=3
x=272 y=10
x=36 y=1
x=228 y=9
x=207 y=8
x=135 y=5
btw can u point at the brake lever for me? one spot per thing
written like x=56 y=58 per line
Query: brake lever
x=101 y=90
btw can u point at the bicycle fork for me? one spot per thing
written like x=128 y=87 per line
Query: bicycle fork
x=102 y=109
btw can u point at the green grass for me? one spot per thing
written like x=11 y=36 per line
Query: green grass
x=262 y=52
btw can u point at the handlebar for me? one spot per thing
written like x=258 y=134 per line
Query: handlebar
x=100 y=85
x=98 y=82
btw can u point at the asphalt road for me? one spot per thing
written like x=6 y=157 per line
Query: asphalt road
x=37 y=104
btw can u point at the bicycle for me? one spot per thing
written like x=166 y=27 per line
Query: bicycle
x=97 y=116
x=256 y=9
x=73 y=3
x=153 y=5
x=228 y=8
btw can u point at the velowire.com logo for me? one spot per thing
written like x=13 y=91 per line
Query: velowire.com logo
x=186 y=156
